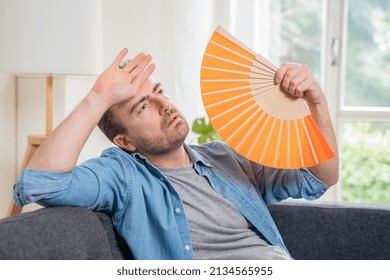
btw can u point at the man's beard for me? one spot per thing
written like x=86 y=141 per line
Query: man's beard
x=171 y=139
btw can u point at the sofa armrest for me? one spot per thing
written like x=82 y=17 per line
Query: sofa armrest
x=334 y=230
x=54 y=233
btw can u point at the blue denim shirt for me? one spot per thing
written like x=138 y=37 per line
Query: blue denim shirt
x=143 y=203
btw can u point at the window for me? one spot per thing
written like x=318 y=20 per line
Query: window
x=300 y=35
x=365 y=103
x=367 y=81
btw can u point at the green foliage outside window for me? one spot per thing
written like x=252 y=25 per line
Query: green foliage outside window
x=366 y=163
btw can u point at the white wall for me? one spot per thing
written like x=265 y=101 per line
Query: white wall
x=7 y=140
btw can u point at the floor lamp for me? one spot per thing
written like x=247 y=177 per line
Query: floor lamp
x=49 y=38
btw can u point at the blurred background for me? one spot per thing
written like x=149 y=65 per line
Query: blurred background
x=346 y=44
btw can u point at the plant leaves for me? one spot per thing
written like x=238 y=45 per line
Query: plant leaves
x=205 y=130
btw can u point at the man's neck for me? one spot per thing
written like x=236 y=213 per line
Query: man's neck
x=175 y=158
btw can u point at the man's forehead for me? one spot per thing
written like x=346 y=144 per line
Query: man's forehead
x=141 y=91
x=147 y=88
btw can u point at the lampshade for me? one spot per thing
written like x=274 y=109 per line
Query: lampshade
x=51 y=36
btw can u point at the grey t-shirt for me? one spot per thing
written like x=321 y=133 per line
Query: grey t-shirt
x=218 y=230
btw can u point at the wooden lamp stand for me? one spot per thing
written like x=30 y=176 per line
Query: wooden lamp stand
x=34 y=141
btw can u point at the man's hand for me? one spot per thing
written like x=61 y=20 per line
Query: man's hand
x=298 y=81
x=117 y=85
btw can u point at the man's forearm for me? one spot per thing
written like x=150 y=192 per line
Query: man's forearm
x=328 y=172
x=62 y=147
x=298 y=81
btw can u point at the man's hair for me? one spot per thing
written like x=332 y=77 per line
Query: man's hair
x=110 y=125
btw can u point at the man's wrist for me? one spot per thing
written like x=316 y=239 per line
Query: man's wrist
x=96 y=104
x=97 y=100
x=320 y=113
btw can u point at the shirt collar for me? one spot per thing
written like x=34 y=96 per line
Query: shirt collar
x=140 y=158
x=196 y=157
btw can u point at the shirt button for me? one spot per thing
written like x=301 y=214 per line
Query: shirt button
x=187 y=247
x=177 y=210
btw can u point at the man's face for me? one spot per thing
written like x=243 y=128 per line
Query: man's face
x=153 y=123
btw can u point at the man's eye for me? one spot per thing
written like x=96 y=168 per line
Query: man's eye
x=161 y=91
x=143 y=107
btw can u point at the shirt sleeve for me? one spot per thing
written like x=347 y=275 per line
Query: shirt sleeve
x=98 y=184
x=280 y=184
x=275 y=184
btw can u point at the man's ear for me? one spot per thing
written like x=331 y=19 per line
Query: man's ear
x=124 y=142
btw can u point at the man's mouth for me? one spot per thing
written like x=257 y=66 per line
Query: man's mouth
x=173 y=119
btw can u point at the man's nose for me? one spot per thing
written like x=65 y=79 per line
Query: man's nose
x=164 y=106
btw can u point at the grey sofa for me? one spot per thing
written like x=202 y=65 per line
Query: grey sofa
x=310 y=231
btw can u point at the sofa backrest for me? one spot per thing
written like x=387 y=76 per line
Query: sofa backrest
x=314 y=231
x=334 y=231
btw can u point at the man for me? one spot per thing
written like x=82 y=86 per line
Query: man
x=169 y=200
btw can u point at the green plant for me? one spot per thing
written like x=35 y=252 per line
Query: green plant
x=205 y=131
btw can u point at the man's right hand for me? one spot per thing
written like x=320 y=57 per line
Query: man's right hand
x=116 y=85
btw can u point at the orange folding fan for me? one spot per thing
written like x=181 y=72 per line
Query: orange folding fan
x=252 y=114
